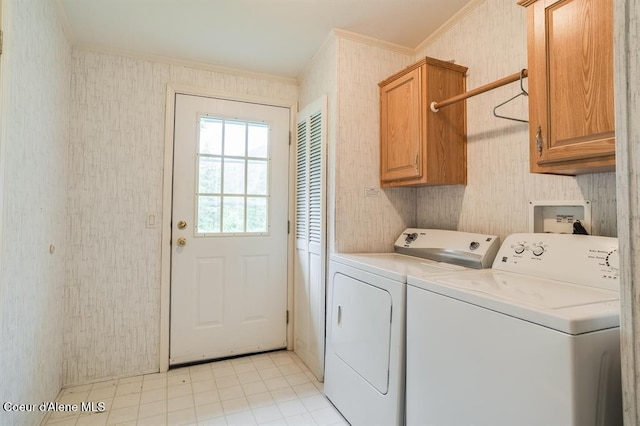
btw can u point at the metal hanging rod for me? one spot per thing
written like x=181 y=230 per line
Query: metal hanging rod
x=435 y=106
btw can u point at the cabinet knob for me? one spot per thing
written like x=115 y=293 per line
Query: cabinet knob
x=539 y=141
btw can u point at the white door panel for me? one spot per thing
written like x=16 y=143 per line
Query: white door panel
x=229 y=228
x=310 y=230
x=361 y=329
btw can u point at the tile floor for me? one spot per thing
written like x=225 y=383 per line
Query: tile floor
x=267 y=389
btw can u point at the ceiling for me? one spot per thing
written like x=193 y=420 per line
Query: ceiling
x=275 y=37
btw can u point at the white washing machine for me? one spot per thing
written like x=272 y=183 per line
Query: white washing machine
x=365 y=364
x=534 y=341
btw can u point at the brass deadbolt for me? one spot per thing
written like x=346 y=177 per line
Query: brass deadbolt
x=182 y=224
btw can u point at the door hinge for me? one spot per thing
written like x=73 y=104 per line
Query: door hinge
x=289 y=137
x=288 y=227
x=1 y=45
x=287 y=317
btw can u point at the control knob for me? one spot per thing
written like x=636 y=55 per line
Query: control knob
x=519 y=249
x=410 y=237
x=474 y=245
x=538 y=250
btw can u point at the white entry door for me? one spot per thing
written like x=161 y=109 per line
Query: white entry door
x=229 y=228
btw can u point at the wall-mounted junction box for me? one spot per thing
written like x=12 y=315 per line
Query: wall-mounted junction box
x=558 y=217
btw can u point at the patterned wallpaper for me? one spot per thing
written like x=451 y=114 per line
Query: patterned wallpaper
x=35 y=71
x=112 y=297
x=496 y=197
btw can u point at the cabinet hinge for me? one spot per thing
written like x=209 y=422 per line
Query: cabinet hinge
x=287 y=317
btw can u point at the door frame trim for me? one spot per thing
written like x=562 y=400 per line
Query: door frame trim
x=167 y=204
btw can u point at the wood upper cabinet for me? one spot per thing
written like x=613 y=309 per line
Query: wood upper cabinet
x=417 y=146
x=571 y=115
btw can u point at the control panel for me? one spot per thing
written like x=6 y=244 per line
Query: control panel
x=580 y=259
x=456 y=247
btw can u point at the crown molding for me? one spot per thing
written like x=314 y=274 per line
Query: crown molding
x=339 y=33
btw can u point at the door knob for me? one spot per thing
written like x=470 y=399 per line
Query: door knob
x=182 y=242
x=182 y=224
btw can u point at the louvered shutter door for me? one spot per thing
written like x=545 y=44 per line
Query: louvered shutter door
x=315 y=179
x=301 y=182
x=310 y=253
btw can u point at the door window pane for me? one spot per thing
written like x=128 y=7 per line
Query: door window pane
x=208 y=214
x=233 y=176
x=235 y=138
x=209 y=175
x=257 y=177
x=210 y=139
x=258 y=140
x=256 y=214
x=233 y=214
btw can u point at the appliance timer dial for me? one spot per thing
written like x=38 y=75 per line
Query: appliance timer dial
x=613 y=259
x=519 y=249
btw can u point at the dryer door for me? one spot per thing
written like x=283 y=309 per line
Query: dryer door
x=361 y=329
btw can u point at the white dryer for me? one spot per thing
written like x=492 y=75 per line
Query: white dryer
x=366 y=297
x=533 y=341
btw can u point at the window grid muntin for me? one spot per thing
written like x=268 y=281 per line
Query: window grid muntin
x=222 y=195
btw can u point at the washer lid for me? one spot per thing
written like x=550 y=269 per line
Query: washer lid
x=395 y=266
x=566 y=307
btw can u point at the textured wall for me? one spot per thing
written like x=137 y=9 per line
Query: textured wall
x=627 y=89
x=35 y=71
x=365 y=224
x=112 y=298
x=496 y=197
x=115 y=180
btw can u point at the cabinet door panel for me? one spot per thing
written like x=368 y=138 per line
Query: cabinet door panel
x=571 y=82
x=580 y=69
x=401 y=128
